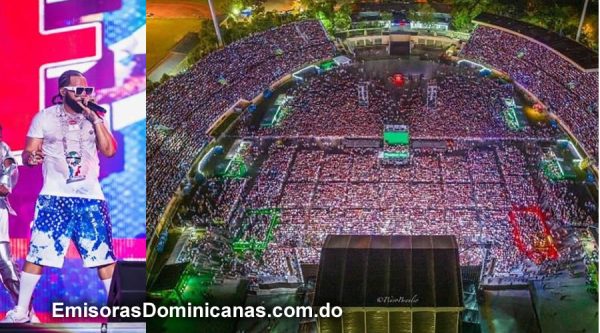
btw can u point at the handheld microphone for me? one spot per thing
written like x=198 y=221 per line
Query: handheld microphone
x=100 y=111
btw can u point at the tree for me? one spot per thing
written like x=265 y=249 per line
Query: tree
x=236 y=6
x=265 y=21
x=464 y=11
x=342 y=20
x=308 y=6
x=589 y=36
x=557 y=17
x=424 y=14
x=512 y=8
x=164 y=78
x=150 y=86
x=327 y=23
x=207 y=35
x=461 y=20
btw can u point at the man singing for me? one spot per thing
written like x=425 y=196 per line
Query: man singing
x=65 y=139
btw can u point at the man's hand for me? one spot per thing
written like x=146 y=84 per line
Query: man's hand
x=4 y=191
x=87 y=112
x=105 y=142
x=35 y=158
x=32 y=154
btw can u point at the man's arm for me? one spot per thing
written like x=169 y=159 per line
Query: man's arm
x=105 y=142
x=32 y=154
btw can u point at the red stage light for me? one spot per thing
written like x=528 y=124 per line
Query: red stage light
x=537 y=254
x=398 y=80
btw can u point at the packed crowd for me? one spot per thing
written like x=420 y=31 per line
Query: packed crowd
x=467 y=193
x=568 y=92
x=467 y=106
x=328 y=105
x=531 y=231
x=181 y=110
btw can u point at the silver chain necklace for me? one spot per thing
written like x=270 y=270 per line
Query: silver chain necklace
x=72 y=158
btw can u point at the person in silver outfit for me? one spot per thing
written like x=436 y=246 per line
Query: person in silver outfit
x=9 y=175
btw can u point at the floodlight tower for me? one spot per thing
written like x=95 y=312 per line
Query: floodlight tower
x=215 y=22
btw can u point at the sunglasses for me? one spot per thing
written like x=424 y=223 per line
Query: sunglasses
x=79 y=90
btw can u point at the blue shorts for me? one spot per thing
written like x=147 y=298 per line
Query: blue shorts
x=61 y=219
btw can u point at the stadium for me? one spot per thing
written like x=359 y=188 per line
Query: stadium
x=274 y=154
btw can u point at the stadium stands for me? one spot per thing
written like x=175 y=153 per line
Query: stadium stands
x=181 y=109
x=568 y=92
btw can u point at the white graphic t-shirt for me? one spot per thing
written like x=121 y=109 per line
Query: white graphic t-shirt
x=51 y=125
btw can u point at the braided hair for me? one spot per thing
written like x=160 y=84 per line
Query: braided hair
x=63 y=81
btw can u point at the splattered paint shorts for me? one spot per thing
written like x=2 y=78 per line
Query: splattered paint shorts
x=61 y=219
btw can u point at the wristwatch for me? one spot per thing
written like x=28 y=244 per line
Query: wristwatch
x=98 y=121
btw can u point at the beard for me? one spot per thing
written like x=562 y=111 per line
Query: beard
x=72 y=103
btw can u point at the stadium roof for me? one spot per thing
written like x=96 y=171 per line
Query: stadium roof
x=389 y=271
x=577 y=54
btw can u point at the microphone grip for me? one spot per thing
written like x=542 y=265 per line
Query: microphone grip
x=100 y=111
